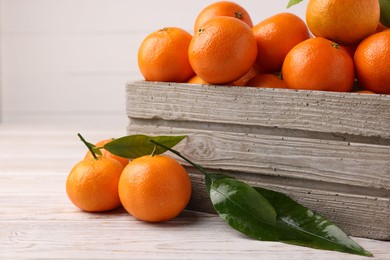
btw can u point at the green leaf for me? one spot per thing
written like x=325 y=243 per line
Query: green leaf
x=133 y=146
x=385 y=12
x=242 y=207
x=272 y=216
x=91 y=147
x=315 y=231
x=211 y=177
x=293 y=2
x=95 y=149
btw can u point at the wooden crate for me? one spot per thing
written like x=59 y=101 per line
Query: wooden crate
x=329 y=151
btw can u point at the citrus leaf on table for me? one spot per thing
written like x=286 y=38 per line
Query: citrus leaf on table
x=133 y=146
x=273 y=216
x=316 y=231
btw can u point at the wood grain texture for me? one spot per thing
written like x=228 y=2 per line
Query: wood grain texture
x=37 y=221
x=328 y=113
x=329 y=151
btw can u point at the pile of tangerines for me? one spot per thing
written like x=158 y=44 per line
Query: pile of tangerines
x=340 y=47
x=150 y=188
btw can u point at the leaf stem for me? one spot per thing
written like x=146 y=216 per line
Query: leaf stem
x=154 y=150
x=197 y=166
x=88 y=146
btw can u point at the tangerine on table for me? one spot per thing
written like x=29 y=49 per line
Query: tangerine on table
x=154 y=188
x=343 y=21
x=92 y=184
x=319 y=64
x=223 y=50
x=222 y=8
x=163 y=56
x=372 y=63
x=105 y=153
x=275 y=37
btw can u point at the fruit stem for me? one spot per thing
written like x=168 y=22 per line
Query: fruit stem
x=88 y=145
x=197 y=166
x=154 y=150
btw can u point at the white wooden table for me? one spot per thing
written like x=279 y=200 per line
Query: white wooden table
x=38 y=221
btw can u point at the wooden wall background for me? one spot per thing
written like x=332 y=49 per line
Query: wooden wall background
x=68 y=61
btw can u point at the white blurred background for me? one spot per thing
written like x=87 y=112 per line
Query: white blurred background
x=67 y=61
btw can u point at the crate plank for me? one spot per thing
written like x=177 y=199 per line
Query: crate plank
x=306 y=160
x=334 y=115
x=329 y=151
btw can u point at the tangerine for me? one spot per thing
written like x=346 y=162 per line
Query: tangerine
x=319 y=64
x=372 y=63
x=222 y=8
x=346 y=22
x=163 y=56
x=223 y=50
x=267 y=80
x=275 y=37
x=154 y=188
x=197 y=80
x=246 y=77
x=92 y=184
x=364 y=92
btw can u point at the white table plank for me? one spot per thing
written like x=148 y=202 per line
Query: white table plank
x=38 y=221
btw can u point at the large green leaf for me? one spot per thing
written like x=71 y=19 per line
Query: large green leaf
x=272 y=216
x=133 y=146
x=316 y=231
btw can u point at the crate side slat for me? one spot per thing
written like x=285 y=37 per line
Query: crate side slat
x=306 y=159
x=316 y=111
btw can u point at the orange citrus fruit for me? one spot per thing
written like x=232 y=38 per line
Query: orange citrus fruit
x=163 y=56
x=154 y=188
x=223 y=50
x=246 y=77
x=92 y=185
x=267 y=80
x=364 y=92
x=372 y=63
x=319 y=64
x=275 y=37
x=343 y=21
x=222 y=8
x=105 y=153
x=350 y=49
x=197 y=80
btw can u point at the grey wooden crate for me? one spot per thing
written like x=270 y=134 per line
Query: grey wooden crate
x=329 y=151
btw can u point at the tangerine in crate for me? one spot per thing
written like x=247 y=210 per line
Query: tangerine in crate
x=218 y=38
